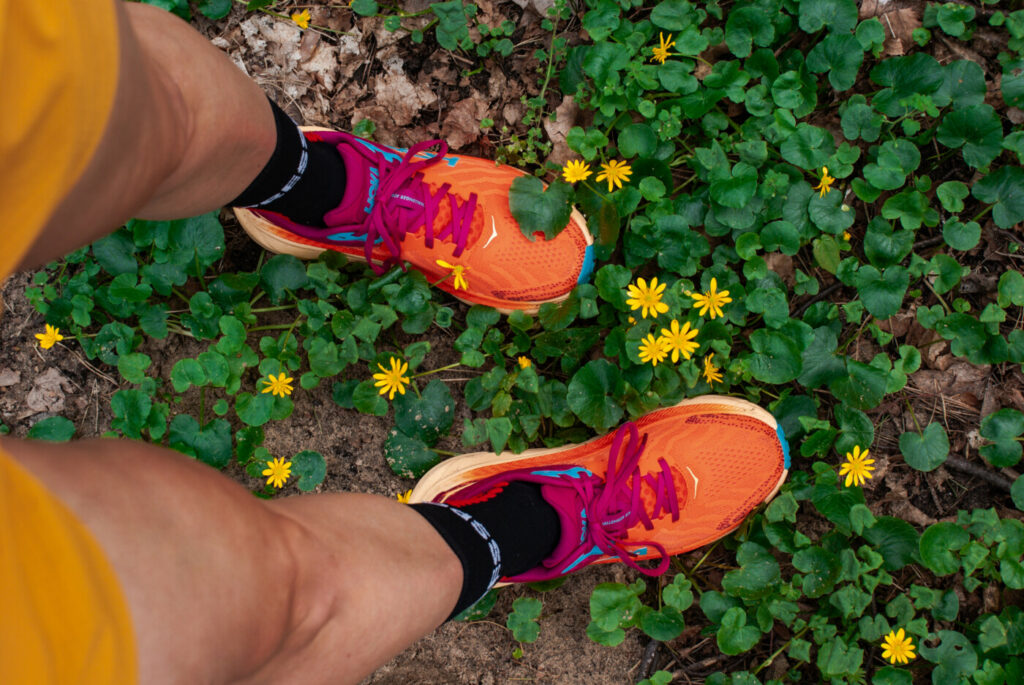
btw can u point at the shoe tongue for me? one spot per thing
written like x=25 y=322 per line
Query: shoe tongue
x=361 y=179
x=569 y=506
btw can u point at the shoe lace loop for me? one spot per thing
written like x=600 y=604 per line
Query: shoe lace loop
x=615 y=506
x=403 y=203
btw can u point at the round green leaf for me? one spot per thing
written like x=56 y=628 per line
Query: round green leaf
x=896 y=159
x=1017 y=492
x=809 y=147
x=855 y=428
x=637 y=140
x=840 y=16
x=976 y=129
x=955 y=657
x=776 y=357
x=937 y=545
x=1003 y=188
x=612 y=605
x=1002 y=428
x=734 y=635
x=925 y=451
x=840 y=55
x=882 y=292
x=666 y=624
x=895 y=539
x=282 y=273
x=428 y=417
x=820 y=568
x=538 y=209
x=961 y=236
x=254 y=410
x=758 y=573
x=52 y=429
x=951 y=194
x=591 y=394
x=185 y=373
x=310 y=468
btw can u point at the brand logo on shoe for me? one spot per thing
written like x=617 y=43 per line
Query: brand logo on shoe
x=372 y=194
x=494 y=233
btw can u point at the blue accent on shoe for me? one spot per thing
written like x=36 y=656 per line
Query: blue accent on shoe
x=351 y=238
x=592 y=553
x=784 y=443
x=388 y=154
x=574 y=472
x=588 y=265
x=639 y=551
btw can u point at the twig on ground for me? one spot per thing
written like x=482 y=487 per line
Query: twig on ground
x=647 y=662
x=994 y=479
x=817 y=298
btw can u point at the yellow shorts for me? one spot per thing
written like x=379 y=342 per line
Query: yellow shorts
x=58 y=77
x=64 y=618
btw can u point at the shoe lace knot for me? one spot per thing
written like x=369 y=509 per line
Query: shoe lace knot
x=614 y=505
x=402 y=203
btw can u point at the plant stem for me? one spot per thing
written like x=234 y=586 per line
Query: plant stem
x=279 y=308
x=441 y=368
x=767 y=662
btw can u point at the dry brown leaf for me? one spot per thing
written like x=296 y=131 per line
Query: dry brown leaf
x=557 y=130
x=513 y=112
x=461 y=125
x=401 y=98
x=899 y=24
x=9 y=377
x=782 y=264
x=958 y=379
x=541 y=7
x=47 y=393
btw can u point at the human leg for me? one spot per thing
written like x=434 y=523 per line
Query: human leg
x=188 y=132
x=225 y=587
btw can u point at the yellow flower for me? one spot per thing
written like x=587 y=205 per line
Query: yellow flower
x=50 y=337
x=857 y=467
x=847 y=236
x=576 y=170
x=615 y=172
x=403 y=497
x=524 y=362
x=712 y=300
x=458 y=271
x=278 y=472
x=680 y=340
x=280 y=386
x=825 y=185
x=661 y=52
x=647 y=299
x=898 y=647
x=711 y=372
x=301 y=19
x=631 y=320
x=392 y=380
x=653 y=350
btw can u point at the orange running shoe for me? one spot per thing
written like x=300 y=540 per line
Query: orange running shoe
x=674 y=480
x=446 y=215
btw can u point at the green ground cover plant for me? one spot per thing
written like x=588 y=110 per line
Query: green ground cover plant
x=722 y=140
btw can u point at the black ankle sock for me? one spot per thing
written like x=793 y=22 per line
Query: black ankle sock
x=303 y=179
x=504 y=536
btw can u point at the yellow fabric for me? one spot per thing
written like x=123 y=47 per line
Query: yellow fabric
x=64 y=618
x=58 y=76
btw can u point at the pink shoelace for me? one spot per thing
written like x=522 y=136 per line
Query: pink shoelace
x=615 y=506
x=403 y=204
